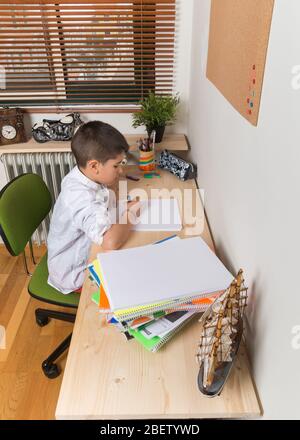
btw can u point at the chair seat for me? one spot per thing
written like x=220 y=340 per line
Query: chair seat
x=40 y=289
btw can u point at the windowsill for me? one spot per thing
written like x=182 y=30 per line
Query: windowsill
x=83 y=109
x=171 y=141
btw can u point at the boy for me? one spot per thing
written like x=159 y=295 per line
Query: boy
x=85 y=209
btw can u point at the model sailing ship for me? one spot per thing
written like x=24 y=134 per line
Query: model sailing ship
x=222 y=328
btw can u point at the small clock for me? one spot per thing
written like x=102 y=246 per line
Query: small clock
x=12 y=129
x=8 y=132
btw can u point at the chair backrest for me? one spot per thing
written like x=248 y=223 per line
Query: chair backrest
x=24 y=203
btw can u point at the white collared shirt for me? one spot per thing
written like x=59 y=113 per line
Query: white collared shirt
x=83 y=212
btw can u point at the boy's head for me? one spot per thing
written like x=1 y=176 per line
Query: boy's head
x=100 y=151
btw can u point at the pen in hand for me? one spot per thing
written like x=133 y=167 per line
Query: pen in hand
x=134 y=206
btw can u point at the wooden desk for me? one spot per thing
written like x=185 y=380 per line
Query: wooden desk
x=107 y=377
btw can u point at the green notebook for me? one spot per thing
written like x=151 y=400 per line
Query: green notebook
x=157 y=342
x=96 y=297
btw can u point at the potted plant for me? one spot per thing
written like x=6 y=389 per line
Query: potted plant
x=156 y=112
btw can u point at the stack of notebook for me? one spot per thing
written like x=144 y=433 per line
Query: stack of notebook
x=150 y=292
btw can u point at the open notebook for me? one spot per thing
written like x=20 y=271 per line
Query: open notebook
x=159 y=215
x=148 y=274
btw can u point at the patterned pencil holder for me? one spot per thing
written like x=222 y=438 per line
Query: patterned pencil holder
x=147 y=160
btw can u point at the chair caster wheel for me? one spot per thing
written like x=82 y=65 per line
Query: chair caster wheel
x=50 y=370
x=41 y=322
x=41 y=319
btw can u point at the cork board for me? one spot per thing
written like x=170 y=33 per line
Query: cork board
x=238 y=43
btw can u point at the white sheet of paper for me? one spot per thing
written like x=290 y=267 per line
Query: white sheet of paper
x=149 y=274
x=159 y=215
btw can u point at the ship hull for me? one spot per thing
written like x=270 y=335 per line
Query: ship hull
x=222 y=372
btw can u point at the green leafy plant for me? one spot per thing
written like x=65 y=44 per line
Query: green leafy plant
x=156 y=111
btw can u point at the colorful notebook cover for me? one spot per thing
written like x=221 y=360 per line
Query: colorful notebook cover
x=96 y=297
x=93 y=273
x=157 y=342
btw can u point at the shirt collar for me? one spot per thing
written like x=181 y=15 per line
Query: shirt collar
x=85 y=180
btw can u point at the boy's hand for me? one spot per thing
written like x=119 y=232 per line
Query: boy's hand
x=134 y=208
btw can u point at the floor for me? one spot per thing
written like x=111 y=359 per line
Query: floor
x=25 y=393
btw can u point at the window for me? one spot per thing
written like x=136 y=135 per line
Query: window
x=86 y=53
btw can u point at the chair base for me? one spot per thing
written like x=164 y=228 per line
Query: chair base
x=42 y=316
x=51 y=369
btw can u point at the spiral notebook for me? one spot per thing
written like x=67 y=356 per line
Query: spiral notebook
x=100 y=297
x=178 y=304
x=181 y=270
x=154 y=344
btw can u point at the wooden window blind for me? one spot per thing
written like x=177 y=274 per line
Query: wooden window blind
x=75 y=53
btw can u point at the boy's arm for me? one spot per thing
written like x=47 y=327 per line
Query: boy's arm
x=115 y=190
x=118 y=233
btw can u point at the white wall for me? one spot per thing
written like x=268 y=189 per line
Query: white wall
x=122 y=121
x=251 y=178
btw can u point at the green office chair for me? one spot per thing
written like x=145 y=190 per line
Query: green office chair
x=24 y=204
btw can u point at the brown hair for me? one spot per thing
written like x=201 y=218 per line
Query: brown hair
x=99 y=141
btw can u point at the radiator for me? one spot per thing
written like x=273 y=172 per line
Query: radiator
x=52 y=167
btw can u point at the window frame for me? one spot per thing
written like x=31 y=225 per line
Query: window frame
x=58 y=69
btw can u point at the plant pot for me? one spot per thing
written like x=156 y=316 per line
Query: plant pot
x=159 y=132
